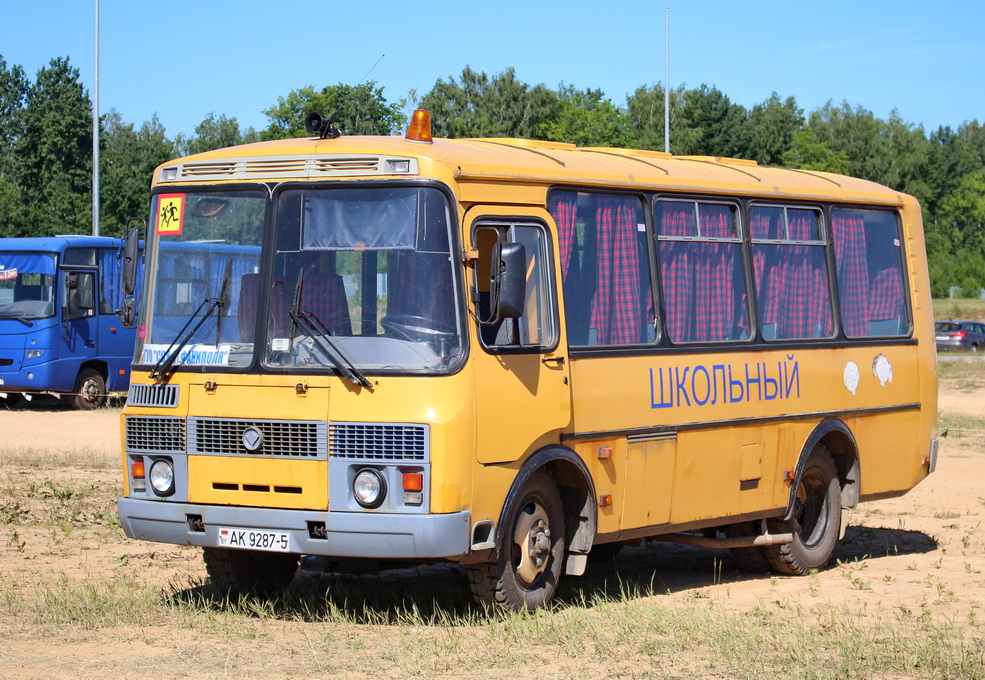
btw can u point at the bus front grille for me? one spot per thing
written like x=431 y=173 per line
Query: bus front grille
x=231 y=436
x=379 y=441
x=155 y=433
x=165 y=396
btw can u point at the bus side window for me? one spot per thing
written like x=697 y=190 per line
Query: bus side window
x=536 y=327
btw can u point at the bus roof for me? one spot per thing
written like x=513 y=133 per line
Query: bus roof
x=57 y=243
x=521 y=161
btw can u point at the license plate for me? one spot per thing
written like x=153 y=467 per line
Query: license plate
x=255 y=539
x=943 y=337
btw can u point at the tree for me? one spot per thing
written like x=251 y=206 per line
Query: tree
x=214 y=133
x=587 y=118
x=127 y=160
x=483 y=107
x=360 y=110
x=807 y=152
x=774 y=124
x=13 y=91
x=711 y=125
x=645 y=108
x=55 y=152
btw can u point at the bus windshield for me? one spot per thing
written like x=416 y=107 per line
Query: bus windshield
x=363 y=277
x=27 y=285
x=361 y=281
x=205 y=244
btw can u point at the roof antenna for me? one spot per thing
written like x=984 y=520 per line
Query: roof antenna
x=314 y=124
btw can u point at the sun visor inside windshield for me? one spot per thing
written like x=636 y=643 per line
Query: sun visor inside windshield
x=361 y=220
x=26 y=263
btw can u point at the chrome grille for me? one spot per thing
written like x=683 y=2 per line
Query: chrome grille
x=153 y=395
x=379 y=441
x=224 y=437
x=155 y=433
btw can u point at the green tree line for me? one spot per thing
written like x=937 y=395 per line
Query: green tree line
x=46 y=145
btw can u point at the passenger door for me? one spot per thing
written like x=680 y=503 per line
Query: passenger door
x=79 y=323
x=523 y=395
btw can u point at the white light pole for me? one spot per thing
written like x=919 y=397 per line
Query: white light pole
x=667 y=77
x=95 y=131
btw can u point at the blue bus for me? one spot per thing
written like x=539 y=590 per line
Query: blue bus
x=59 y=332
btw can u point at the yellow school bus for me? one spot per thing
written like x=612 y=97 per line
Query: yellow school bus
x=508 y=354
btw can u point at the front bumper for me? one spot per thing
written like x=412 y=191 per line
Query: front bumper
x=346 y=534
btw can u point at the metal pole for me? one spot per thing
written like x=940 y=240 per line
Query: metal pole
x=667 y=77
x=95 y=130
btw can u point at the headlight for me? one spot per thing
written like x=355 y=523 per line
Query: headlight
x=161 y=477
x=35 y=353
x=369 y=488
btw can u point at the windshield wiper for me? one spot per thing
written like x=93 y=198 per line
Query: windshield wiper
x=322 y=336
x=24 y=321
x=174 y=349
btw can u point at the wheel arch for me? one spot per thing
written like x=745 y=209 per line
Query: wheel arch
x=97 y=365
x=835 y=435
x=577 y=491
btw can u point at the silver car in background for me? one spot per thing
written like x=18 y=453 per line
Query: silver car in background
x=967 y=336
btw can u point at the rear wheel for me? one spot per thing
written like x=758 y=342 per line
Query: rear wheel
x=531 y=551
x=90 y=391
x=241 y=572
x=816 y=519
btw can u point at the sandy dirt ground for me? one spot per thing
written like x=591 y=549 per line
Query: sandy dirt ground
x=922 y=552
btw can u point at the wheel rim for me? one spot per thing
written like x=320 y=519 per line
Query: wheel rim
x=531 y=543
x=90 y=391
x=810 y=509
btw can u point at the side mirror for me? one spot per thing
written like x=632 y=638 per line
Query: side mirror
x=130 y=254
x=508 y=287
x=128 y=313
x=72 y=296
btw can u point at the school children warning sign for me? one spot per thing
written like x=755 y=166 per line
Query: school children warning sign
x=170 y=214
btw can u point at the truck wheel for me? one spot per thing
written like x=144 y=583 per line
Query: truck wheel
x=90 y=391
x=816 y=520
x=531 y=551
x=243 y=572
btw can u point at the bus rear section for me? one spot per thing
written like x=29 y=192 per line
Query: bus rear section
x=59 y=333
x=509 y=354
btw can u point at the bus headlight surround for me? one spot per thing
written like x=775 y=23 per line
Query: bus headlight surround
x=161 y=477
x=369 y=488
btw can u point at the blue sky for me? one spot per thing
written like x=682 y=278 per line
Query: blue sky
x=184 y=59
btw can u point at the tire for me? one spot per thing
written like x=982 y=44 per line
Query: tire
x=816 y=520
x=751 y=558
x=244 y=572
x=531 y=547
x=90 y=391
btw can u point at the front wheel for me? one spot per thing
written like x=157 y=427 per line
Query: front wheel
x=531 y=551
x=816 y=520
x=240 y=572
x=90 y=391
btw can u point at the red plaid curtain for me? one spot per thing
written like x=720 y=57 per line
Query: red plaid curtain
x=848 y=230
x=676 y=219
x=617 y=313
x=563 y=206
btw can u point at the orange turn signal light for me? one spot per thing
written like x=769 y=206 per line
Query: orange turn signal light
x=413 y=481
x=603 y=452
x=419 y=129
x=137 y=469
x=605 y=500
